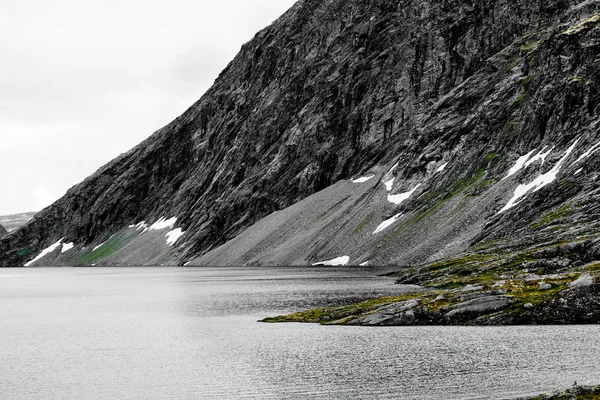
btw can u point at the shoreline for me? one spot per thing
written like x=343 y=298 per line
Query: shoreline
x=560 y=299
x=575 y=393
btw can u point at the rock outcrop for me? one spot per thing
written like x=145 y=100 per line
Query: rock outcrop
x=510 y=302
x=2 y=231
x=476 y=122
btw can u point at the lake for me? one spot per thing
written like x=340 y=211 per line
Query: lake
x=192 y=333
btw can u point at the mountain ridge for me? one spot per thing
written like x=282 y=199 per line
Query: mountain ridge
x=330 y=92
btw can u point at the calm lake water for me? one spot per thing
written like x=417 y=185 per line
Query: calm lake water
x=158 y=333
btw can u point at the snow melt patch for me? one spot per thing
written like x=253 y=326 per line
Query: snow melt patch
x=142 y=225
x=578 y=171
x=174 y=235
x=45 y=252
x=67 y=246
x=442 y=167
x=364 y=264
x=363 y=179
x=393 y=168
x=539 y=182
x=588 y=153
x=399 y=198
x=539 y=156
x=389 y=184
x=162 y=223
x=387 y=223
x=336 y=261
x=97 y=247
x=519 y=164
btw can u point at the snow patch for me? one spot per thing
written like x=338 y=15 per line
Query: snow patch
x=97 y=247
x=162 y=223
x=399 y=198
x=45 y=252
x=389 y=184
x=67 y=246
x=578 y=171
x=387 y=223
x=363 y=179
x=519 y=164
x=364 y=264
x=393 y=168
x=174 y=235
x=336 y=261
x=539 y=156
x=442 y=167
x=142 y=225
x=539 y=182
x=588 y=153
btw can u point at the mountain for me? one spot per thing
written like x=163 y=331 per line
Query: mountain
x=14 y=221
x=2 y=231
x=383 y=132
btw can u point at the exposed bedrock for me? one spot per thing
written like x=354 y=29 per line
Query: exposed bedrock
x=488 y=109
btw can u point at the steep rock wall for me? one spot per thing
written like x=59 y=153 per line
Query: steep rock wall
x=332 y=89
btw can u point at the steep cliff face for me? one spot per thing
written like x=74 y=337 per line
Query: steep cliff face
x=439 y=100
x=2 y=231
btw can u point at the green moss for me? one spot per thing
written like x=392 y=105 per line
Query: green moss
x=586 y=24
x=529 y=80
x=27 y=251
x=529 y=292
x=108 y=248
x=530 y=47
x=519 y=101
x=555 y=215
x=466 y=182
x=365 y=221
x=593 y=267
x=513 y=60
x=331 y=314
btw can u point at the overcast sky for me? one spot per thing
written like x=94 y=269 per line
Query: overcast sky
x=83 y=81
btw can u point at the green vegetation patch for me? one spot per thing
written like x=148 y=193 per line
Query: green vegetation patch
x=529 y=291
x=337 y=313
x=555 y=215
x=109 y=247
x=365 y=221
x=519 y=101
x=586 y=24
x=575 y=393
x=27 y=251
x=530 y=47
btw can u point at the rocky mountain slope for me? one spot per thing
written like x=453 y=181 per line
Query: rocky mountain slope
x=349 y=132
x=2 y=231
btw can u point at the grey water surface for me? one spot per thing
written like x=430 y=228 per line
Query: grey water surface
x=192 y=333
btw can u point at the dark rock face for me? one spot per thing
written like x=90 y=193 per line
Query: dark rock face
x=333 y=89
x=2 y=231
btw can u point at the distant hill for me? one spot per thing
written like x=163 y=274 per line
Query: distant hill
x=14 y=221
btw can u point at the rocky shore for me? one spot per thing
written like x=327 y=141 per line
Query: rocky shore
x=574 y=393
x=565 y=298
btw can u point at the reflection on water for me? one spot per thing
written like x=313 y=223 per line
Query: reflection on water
x=192 y=334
